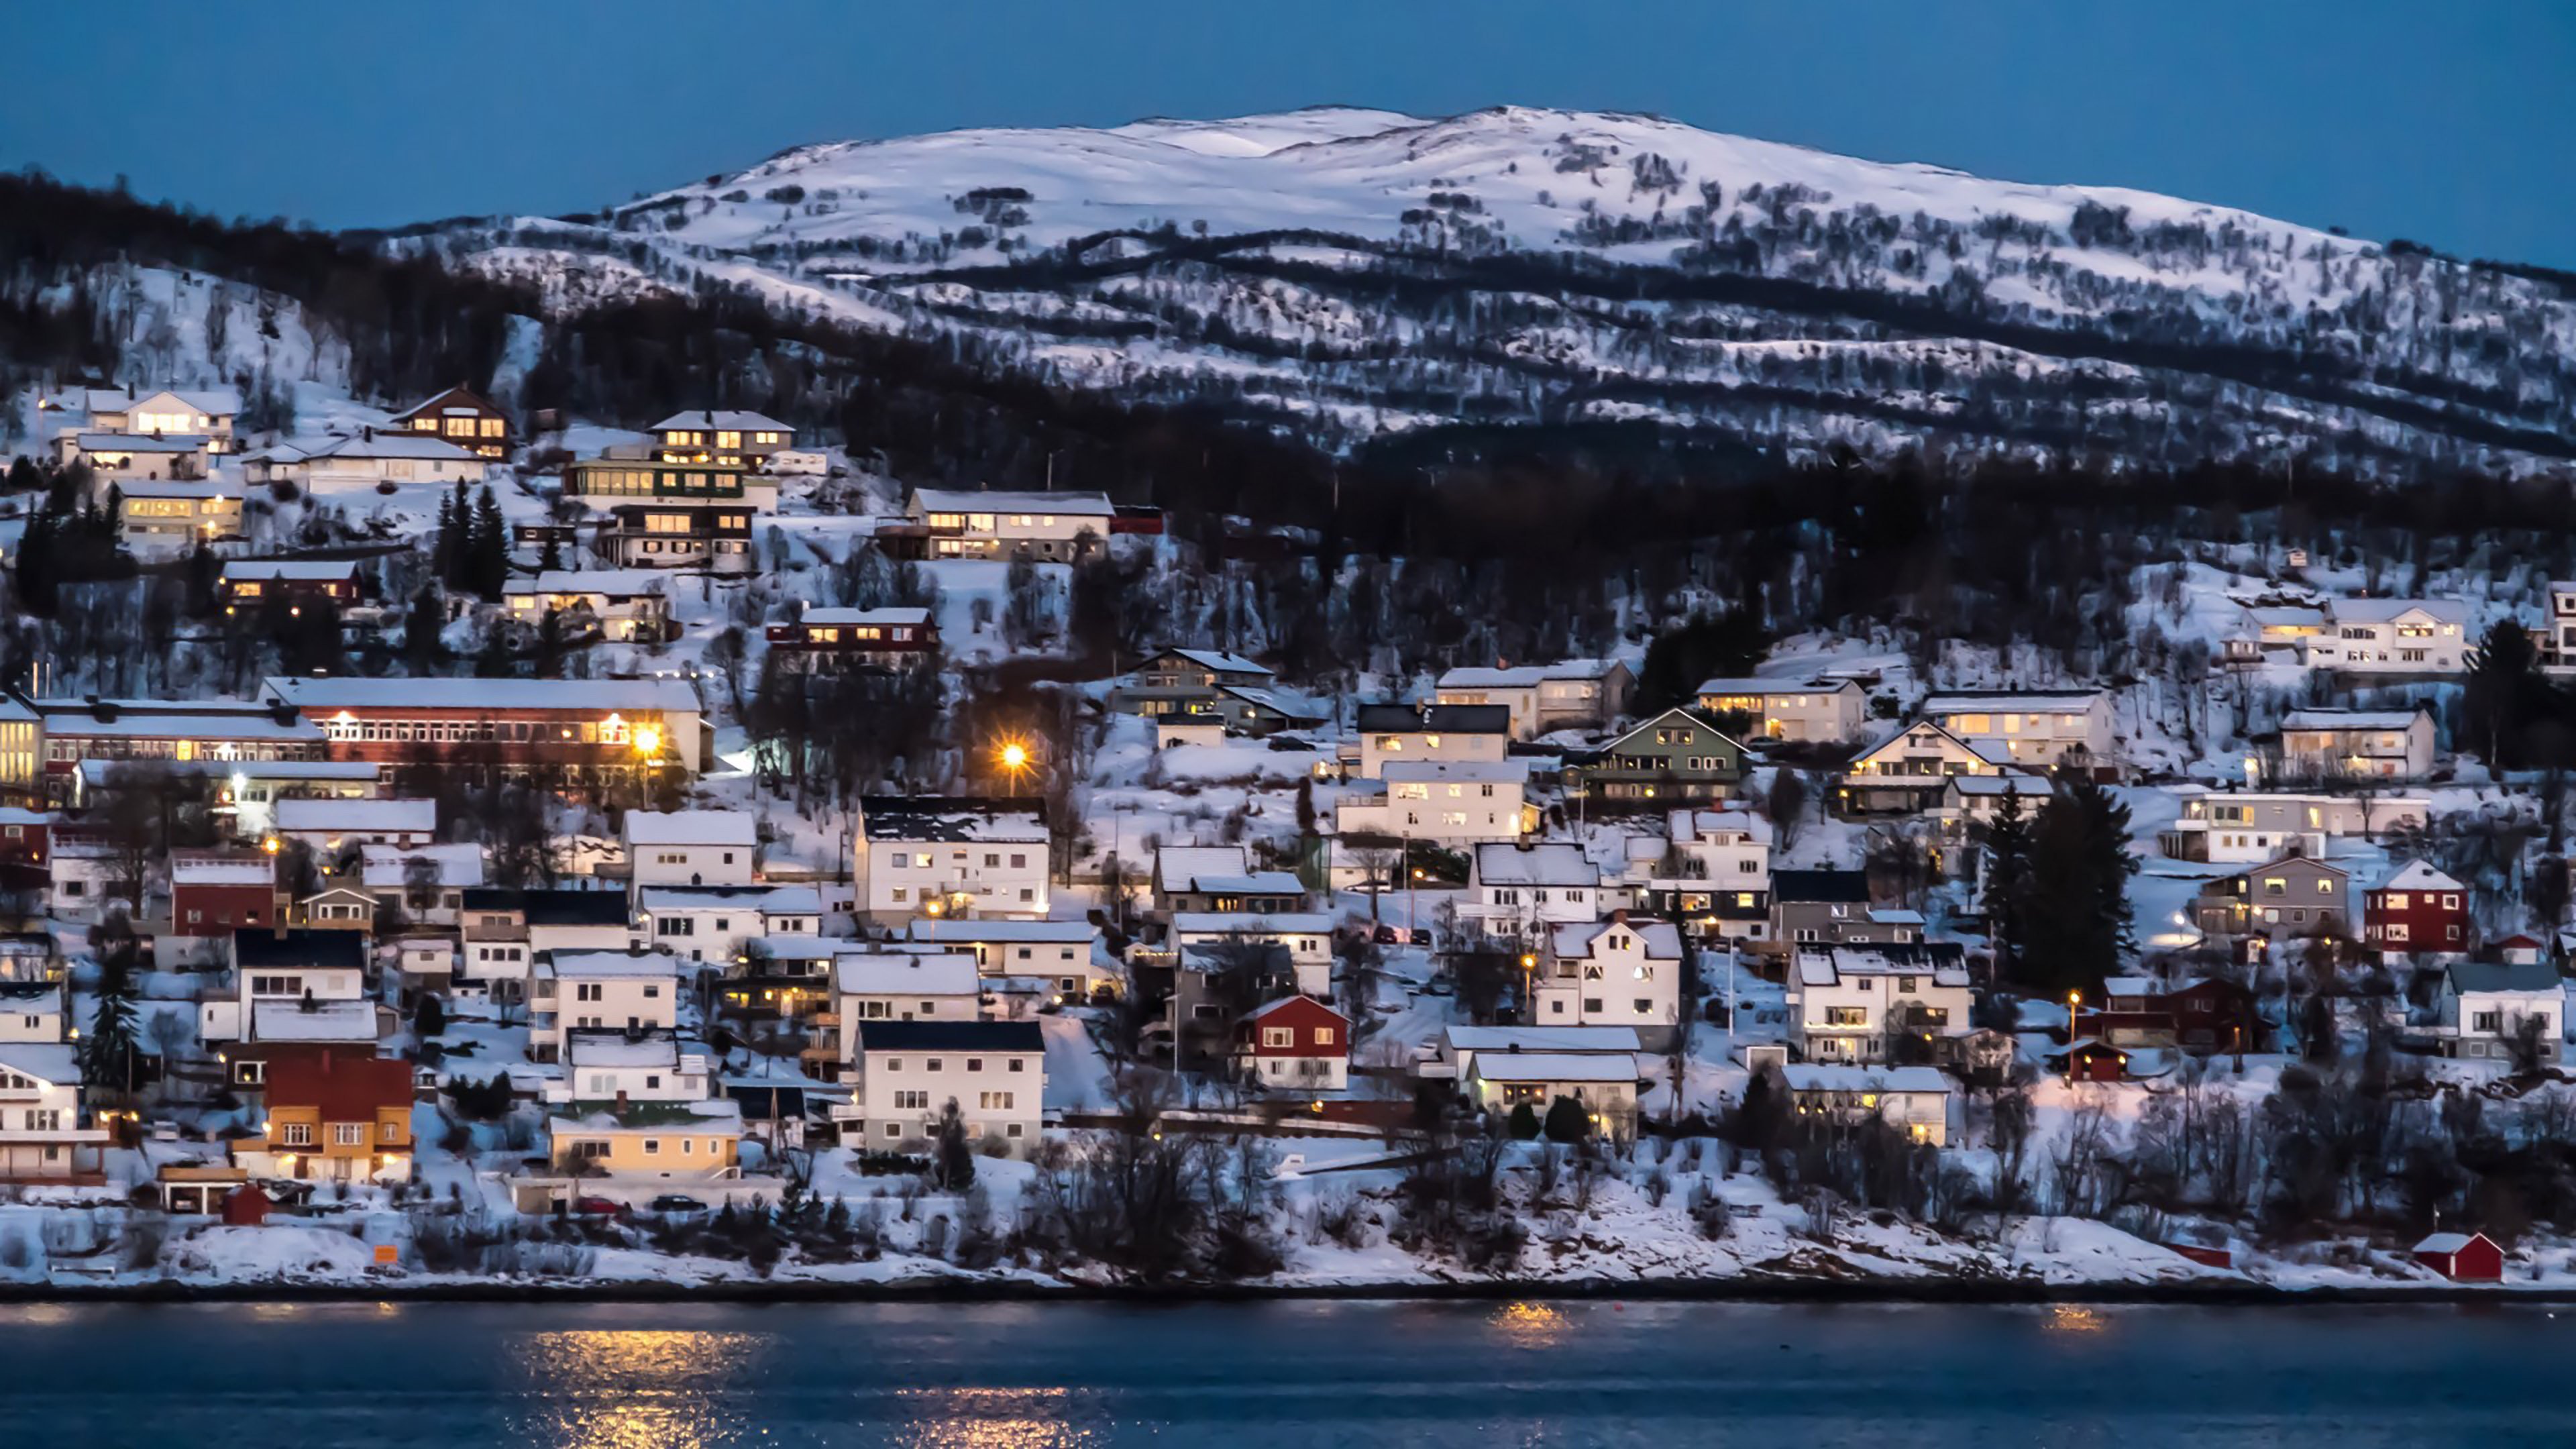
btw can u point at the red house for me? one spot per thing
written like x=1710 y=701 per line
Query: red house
x=2207 y=1015
x=2417 y=909
x=2462 y=1257
x=2094 y=1061
x=26 y=840
x=885 y=637
x=214 y=892
x=1295 y=1044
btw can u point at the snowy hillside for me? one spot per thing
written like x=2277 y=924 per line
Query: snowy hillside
x=1346 y=273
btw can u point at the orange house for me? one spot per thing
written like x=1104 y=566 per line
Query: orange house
x=335 y=1115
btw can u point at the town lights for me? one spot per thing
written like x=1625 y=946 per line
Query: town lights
x=648 y=741
x=1015 y=759
x=269 y=844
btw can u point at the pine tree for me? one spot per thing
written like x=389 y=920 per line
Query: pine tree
x=551 y=560
x=422 y=648
x=2007 y=883
x=2505 y=694
x=491 y=547
x=953 y=1168
x=550 y=646
x=443 y=554
x=2077 y=911
x=107 y=1052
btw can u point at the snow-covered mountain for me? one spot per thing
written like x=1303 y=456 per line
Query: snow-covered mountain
x=1352 y=273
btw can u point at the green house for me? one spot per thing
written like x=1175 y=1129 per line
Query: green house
x=1676 y=758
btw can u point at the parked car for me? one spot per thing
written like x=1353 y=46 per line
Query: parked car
x=597 y=1207
x=1394 y=936
x=676 y=1204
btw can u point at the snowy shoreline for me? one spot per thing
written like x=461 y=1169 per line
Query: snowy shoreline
x=938 y=1288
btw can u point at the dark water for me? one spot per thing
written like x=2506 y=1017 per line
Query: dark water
x=1481 y=1375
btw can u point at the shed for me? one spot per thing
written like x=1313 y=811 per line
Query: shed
x=2462 y=1257
x=247 y=1207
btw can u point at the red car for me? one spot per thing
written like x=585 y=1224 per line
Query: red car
x=597 y=1207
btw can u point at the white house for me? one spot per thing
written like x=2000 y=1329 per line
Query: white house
x=632 y=991
x=2038 y=729
x=1452 y=732
x=1709 y=865
x=42 y=1134
x=206 y=412
x=428 y=882
x=2558 y=635
x=950 y=858
x=1449 y=1056
x=1515 y=891
x=1913 y=1100
x=2357 y=744
x=1544 y=698
x=1307 y=937
x=2392 y=636
x=1051 y=960
x=369 y=458
x=714 y=923
x=2485 y=1008
x=1856 y=1003
x=1448 y=802
x=330 y=825
x=1056 y=527
x=625 y=604
x=691 y=847
x=905 y=1073
x=294 y=986
x=1821 y=709
x=1604 y=1086
x=2249 y=827
x=1614 y=972
x=1905 y=772
x=903 y=986
x=33 y=1011
x=650 y=1066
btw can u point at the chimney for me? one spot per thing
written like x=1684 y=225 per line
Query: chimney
x=621 y=1101
x=1619 y=917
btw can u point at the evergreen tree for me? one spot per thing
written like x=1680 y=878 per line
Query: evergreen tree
x=2505 y=696
x=422 y=649
x=550 y=646
x=443 y=554
x=953 y=1166
x=490 y=558
x=1523 y=1123
x=2076 y=916
x=551 y=560
x=108 y=1050
x=2007 y=883
x=1566 y=1121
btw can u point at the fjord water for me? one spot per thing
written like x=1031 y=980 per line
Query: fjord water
x=216 y=1376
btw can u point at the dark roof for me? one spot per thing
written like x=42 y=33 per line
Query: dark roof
x=760 y=1101
x=941 y=817
x=1790 y=886
x=255 y=947
x=552 y=907
x=2502 y=976
x=1454 y=719
x=951 y=1036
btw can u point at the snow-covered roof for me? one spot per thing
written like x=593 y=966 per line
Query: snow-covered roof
x=1662 y=941
x=2415 y=875
x=2383 y=611
x=385 y=867
x=327 y=1021
x=1176 y=864
x=1684 y=826
x=400 y=816
x=1767 y=687
x=1547 y=863
x=692 y=827
x=1826 y=1077
x=607 y=583
x=897 y=973
x=142 y=442
x=214 y=402
x=1011 y=932
x=565 y=965
x=947 y=500
x=256 y=870
x=1251 y=883
x=860 y=618
x=731 y=420
x=1574 y=1039
x=2033 y=788
x=53 y=1062
x=2446 y=1242
x=1251 y=923
x=2285 y=616
x=615 y=1048
x=389 y=443
x=2011 y=701
x=1221 y=661
x=2322 y=718
x=1277 y=701
x=349 y=692
x=1526 y=1066
x=328 y=570
x=1827 y=965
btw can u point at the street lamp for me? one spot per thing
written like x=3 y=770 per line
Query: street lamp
x=1013 y=756
x=2074 y=999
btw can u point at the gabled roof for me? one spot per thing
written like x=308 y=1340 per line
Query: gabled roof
x=1174 y=865
x=1220 y=661
x=2415 y=875
x=454 y=397
x=344 y=1085
x=1676 y=712
x=2466 y=977
x=895 y=973
x=947 y=500
x=724 y=419
x=1991 y=752
x=55 y=1063
x=1661 y=940
x=388 y=443
x=2383 y=611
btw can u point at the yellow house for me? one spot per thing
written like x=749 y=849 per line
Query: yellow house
x=333 y=1115
x=696 y=1140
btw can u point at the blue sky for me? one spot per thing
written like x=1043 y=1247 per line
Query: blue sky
x=2444 y=123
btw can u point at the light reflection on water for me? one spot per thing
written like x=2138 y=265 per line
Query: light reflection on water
x=635 y=1388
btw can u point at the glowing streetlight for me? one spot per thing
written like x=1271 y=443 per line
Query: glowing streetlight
x=2074 y=999
x=1014 y=758
x=648 y=741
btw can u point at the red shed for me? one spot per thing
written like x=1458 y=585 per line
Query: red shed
x=1296 y=1042
x=2462 y=1257
x=246 y=1208
x=2089 y=1060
